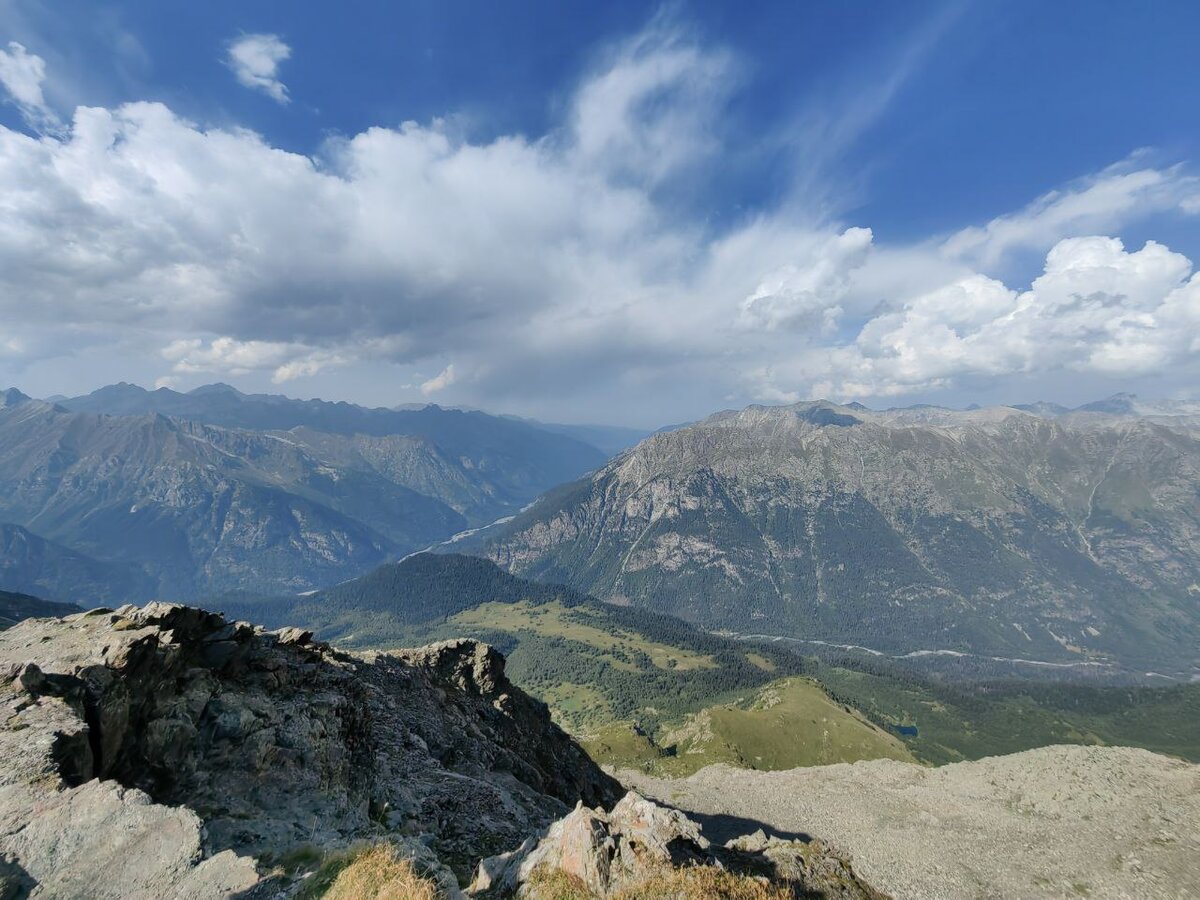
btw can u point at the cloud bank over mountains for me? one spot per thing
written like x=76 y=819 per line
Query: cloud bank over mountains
x=503 y=268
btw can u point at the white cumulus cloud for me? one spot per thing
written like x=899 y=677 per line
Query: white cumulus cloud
x=1096 y=308
x=229 y=356
x=795 y=295
x=255 y=59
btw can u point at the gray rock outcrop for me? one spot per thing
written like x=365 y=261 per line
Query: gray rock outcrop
x=165 y=751
x=610 y=853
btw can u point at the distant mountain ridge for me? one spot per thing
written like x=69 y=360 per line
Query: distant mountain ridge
x=1119 y=405
x=180 y=506
x=454 y=431
x=15 y=607
x=992 y=531
x=31 y=564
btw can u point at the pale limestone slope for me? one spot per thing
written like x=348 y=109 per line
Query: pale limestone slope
x=1100 y=822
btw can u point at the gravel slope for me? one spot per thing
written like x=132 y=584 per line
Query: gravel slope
x=1100 y=822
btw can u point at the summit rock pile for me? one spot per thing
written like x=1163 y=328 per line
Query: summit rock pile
x=165 y=751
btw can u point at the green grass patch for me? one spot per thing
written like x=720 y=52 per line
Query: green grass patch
x=787 y=724
x=584 y=626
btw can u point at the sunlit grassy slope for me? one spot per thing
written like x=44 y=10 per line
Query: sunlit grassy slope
x=789 y=723
x=588 y=626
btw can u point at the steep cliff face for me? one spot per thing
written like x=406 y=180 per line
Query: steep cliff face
x=991 y=531
x=167 y=752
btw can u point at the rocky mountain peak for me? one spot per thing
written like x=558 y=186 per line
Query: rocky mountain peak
x=12 y=397
x=1122 y=404
x=907 y=530
x=219 y=388
x=471 y=666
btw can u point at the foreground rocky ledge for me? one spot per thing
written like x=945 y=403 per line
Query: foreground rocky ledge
x=164 y=751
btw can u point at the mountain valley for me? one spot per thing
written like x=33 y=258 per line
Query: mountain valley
x=648 y=691
x=136 y=504
x=826 y=606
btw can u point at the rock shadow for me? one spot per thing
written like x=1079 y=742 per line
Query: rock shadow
x=15 y=882
x=721 y=827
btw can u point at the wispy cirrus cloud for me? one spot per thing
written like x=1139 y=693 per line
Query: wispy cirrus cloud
x=1123 y=192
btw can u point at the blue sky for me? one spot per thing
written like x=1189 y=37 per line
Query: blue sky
x=602 y=211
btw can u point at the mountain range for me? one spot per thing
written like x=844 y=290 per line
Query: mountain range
x=1072 y=538
x=1041 y=533
x=15 y=607
x=162 y=494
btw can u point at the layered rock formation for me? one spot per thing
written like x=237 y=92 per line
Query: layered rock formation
x=167 y=752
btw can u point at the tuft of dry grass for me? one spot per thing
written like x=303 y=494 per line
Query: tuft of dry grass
x=373 y=874
x=703 y=883
x=546 y=883
x=690 y=883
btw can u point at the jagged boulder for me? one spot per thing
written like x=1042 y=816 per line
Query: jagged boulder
x=165 y=751
x=606 y=854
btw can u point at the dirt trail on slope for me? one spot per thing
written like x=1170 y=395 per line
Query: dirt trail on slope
x=1099 y=822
